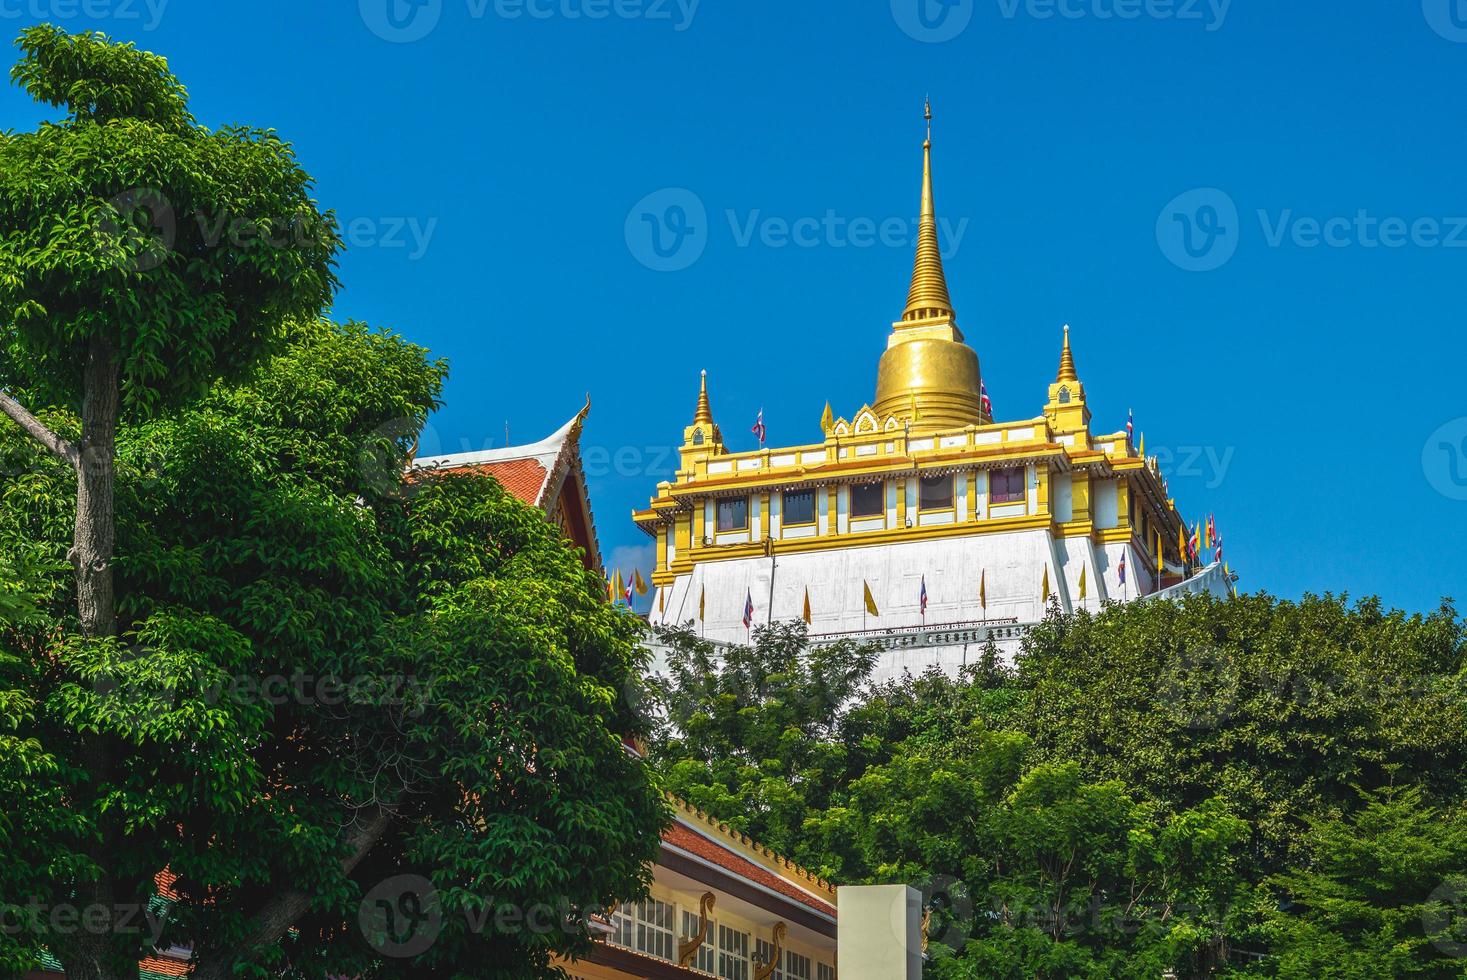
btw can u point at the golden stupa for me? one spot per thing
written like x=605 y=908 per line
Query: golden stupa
x=928 y=374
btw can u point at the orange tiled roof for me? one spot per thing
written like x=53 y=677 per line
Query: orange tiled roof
x=685 y=839
x=522 y=477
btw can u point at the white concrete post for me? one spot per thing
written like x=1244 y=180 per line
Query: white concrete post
x=879 y=932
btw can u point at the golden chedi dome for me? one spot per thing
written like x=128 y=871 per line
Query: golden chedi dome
x=928 y=375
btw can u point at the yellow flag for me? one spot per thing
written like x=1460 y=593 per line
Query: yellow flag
x=870 y=599
x=983 y=589
x=640 y=582
x=702 y=603
x=1044 y=586
x=611 y=588
x=618 y=586
x=1082 y=581
x=1182 y=543
x=827 y=419
x=806 y=616
x=1159 y=560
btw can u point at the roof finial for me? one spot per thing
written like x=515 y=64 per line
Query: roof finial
x=927 y=298
x=704 y=414
x=1067 y=361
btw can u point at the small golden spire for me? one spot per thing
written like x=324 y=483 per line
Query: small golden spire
x=927 y=296
x=704 y=414
x=1067 y=361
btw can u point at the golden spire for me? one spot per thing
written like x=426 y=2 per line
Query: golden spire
x=705 y=411
x=928 y=296
x=1067 y=361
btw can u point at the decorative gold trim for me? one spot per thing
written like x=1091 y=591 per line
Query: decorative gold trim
x=777 y=941
x=755 y=852
x=688 y=948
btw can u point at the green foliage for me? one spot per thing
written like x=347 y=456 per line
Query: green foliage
x=305 y=640
x=180 y=247
x=1382 y=894
x=1137 y=793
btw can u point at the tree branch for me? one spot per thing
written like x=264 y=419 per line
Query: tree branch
x=281 y=912
x=37 y=430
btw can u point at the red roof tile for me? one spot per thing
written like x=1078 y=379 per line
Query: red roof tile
x=685 y=839
x=522 y=477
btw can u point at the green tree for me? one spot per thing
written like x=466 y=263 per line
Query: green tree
x=1382 y=894
x=371 y=725
x=1113 y=804
x=141 y=256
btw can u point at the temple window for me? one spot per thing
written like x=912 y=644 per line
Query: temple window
x=1064 y=396
x=1006 y=486
x=733 y=954
x=733 y=515
x=866 y=499
x=935 y=493
x=697 y=437
x=799 y=507
x=646 y=927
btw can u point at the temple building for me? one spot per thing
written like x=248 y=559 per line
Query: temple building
x=919 y=521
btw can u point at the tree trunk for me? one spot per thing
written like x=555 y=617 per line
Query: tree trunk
x=87 y=955
x=96 y=511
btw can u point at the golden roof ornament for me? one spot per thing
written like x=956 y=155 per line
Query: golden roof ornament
x=704 y=413
x=1067 y=361
x=927 y=370
x=928 y=297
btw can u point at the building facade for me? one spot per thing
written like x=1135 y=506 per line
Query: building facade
x=919 y=522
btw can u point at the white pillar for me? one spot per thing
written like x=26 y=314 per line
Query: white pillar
x=879 y=932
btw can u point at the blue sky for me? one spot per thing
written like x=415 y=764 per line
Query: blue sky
x=1251 y=213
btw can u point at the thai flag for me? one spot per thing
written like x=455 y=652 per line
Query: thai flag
x=627 y=593
x=1217 y=543
x=1122 y=568
x=758 y=428
x=748 y=609
x=924 y=595
x=983 y=394
x=1130 y=424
